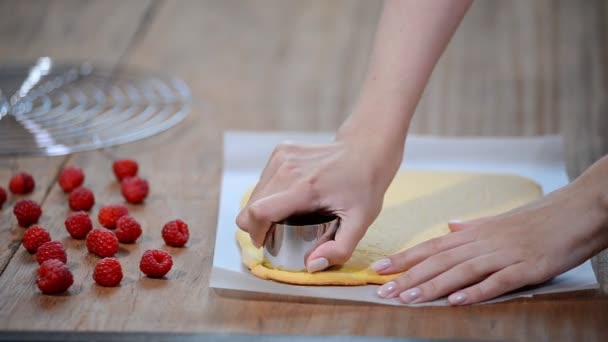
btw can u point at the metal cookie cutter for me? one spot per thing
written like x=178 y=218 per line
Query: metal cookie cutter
x=289 y=242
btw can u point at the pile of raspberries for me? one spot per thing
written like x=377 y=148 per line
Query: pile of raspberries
x=118 y=227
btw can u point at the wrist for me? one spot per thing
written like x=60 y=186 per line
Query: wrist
x=592 y=187
x=382 y=126
x=381 y=151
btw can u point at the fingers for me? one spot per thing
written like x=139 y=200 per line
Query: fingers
x=431 y=268
x=339 y=250
x=257 y=217
x=413 y=256
x=464 y=274
x=503 y=281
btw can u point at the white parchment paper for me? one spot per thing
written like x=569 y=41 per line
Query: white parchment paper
x=246 y=153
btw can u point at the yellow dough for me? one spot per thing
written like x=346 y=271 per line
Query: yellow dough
x=417 y=207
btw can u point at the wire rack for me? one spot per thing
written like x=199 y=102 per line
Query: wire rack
x=51 y=109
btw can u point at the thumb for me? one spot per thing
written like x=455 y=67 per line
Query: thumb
x=339 y=250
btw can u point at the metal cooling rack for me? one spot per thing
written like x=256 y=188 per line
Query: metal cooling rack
x=56 y=109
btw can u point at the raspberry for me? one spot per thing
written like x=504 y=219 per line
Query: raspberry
x=2 y=196
x=54 y=277
x=155 y=263
x=134 y=189
x=34 y=237
x=108 y=272
x=175 y=233
x=71 y=178
x=124 y=168
x=81 y=199
x=109 y=214
x=22 y=183
x=127 y=229
x=102 y=242
x=51 y=250
x=78 y=224
x=27 y=212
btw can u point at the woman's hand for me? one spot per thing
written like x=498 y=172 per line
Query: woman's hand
x=347 y=178
x=488 y=257
x=350 y=176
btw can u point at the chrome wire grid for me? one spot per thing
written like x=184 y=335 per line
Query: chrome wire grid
x=49 y=109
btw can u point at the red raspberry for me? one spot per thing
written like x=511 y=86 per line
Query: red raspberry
x=109 y=214
x=78 y=224
x=127 y=229
x=102 y=242
x=2 y=196
x=175 y=233
x=51 y=250
x=34 y=237
x=81 y=199
x=124 y=168
x=54 y=277
x=134 y=189
x=108 y=272
x=27 y=212
x=22 y=183
x=71 y=178
x=155 y=263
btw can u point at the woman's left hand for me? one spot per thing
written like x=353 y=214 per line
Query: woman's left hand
x=488 y=257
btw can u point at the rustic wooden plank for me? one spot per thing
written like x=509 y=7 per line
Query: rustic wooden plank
x=495 y=77
x=274 y=65
x=64 y=30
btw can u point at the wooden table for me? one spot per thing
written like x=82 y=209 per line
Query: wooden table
x=513 y=68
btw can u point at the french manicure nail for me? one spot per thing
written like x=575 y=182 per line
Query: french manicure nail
x=317 y=265
x=457 y=298
x=381 y=264
x=387 y=289
x=410 y=295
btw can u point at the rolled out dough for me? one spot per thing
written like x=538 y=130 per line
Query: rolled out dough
x=417 y=207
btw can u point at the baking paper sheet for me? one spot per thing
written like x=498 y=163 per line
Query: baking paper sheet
x=246 y=153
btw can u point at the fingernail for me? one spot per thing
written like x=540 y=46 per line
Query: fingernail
x=381 y=264
x=317 y=265
x=457 y=298
x=454 y=221
x=410 y=295
x=387 y=289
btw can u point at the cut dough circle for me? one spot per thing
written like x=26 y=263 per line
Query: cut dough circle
x=416 y=208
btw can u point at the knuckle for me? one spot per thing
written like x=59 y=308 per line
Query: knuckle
x=255 y=211
x=241 y=221
x=441 y=261
x=311 y=188
x=283 y=149
x=407 y=260
x=279 y=154
x=476 y=293
x=399 y=261
x=288 y=168
x=471 y=269
x=435 y=245
x=431 y=289
x=501 y=283
x=535 y=273
x=405 y=280
x=341 y=254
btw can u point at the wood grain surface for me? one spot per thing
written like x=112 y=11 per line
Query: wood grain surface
x=513 y=68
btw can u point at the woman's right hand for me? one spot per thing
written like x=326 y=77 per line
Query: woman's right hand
x=347 y=178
